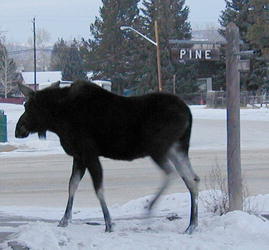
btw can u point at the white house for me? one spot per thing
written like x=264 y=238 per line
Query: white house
x=46 y=78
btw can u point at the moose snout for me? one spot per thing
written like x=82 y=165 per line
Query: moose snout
x=21 y=131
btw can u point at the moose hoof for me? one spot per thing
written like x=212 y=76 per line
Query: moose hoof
x=63 y=223
x=190 y=229
x=108 y=229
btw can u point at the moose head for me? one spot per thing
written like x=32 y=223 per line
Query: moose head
x=33 y=120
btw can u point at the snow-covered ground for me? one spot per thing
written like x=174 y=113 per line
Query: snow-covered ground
x=235 y=230
x=232 y=231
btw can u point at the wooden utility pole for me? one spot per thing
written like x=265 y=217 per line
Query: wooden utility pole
x=174 y=84
x=34 y=33
x=158 y=56
x=233 y=118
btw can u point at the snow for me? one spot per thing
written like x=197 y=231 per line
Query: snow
x=42 y=77
x=31 y=145
x=246 y=114
x=235 y=230
x=132 y=230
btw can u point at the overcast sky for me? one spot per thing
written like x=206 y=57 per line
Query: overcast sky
x=72 y=18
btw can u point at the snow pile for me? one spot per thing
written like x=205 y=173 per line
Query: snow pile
x=235 y=230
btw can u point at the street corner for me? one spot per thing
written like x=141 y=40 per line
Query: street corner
x=7 y=148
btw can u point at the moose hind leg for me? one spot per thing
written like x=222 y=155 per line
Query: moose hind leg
x=95 y=170
x=166 y=166
x=77 y=174
x=183 y=166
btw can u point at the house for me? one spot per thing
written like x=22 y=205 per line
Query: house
x=43 y=79
x=46 y=78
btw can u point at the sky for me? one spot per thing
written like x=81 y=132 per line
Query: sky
x=71 y=19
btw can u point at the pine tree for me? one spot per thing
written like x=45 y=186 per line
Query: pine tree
x=258 y=32
x=67 y=58
x=258 y=35
x=237 y=11
x=109 y=56
x=57 y=55
x=172 y=19
x=241 y=13
x=72 y=66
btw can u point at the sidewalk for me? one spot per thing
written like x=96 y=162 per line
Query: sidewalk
x=6 y=148
x=9 y=223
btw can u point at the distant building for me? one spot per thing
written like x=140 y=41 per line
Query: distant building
x=43 y=79
x=212 y=36
x=46 y=78
x=207 y=35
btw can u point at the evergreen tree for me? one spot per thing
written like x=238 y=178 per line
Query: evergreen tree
x=108 y=55
x=237 y=11
x=72 y=66
x=172 y=21
x=241 y=13
x=59 y=50
x=67 y=58
x=258 y=33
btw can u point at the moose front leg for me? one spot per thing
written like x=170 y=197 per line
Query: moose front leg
x=96 y=172
x=77 y=174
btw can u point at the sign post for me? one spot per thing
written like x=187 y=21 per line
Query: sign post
x=233 y=118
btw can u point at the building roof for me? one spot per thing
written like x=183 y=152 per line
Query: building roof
x=42 y=77
x=211 y=35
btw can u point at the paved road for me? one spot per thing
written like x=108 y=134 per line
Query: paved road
x=43 y=180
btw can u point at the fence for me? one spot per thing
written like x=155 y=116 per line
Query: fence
x=217 y=99
x=17 y=100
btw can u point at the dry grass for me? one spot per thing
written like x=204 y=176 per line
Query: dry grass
x=217 y=200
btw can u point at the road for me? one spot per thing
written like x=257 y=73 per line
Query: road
x=43 y=180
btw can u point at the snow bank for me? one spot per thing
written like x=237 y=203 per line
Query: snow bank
x=247 y=114
x=235 y=230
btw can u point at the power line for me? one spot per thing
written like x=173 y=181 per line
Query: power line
x=16 y=52
x=123 y=52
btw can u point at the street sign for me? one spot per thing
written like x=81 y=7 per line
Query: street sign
x=244 y=65
x=186 y=54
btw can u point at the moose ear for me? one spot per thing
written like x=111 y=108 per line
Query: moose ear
x=26 y=91
x=55 y=85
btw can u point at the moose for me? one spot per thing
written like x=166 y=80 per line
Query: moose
x=92 y=122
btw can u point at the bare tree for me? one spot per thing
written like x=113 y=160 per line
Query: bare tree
x=43 y=55
x=8 y=73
